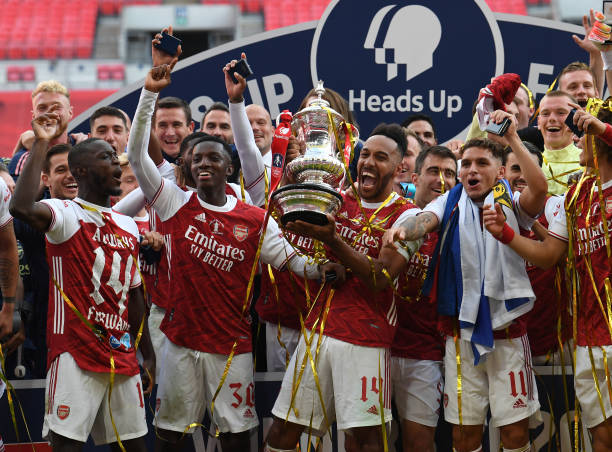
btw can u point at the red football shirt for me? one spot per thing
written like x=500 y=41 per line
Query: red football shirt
x=92 y=253
x=357 y=314
x=212 y=253
x=291 y=292
x=589 y=242
x=417 y=335
x=550 y=303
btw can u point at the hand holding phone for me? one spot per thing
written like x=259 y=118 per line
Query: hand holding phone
x=241 y=67
x=569 y=122
x=498 y=129
x=168 y=44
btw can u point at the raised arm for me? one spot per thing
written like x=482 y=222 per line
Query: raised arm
x=596 y=63
x=157 y=79
x=543 y=254
x=533 y=197
x=251 y=159
x=23 y=203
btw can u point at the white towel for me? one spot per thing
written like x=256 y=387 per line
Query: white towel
x=489 y=265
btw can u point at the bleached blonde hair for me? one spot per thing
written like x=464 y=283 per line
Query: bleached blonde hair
x=50 y=86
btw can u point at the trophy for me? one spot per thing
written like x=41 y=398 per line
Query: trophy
x=319 y=172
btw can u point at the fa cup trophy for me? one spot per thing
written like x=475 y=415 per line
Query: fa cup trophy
x=319 y=173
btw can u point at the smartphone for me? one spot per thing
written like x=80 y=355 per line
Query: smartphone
x=498 y=129
x=569 y=122
x=168 y=44
x=243 y=68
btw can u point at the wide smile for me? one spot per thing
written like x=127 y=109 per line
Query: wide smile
x=367 y=179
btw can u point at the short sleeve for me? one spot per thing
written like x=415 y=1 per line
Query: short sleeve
x=5 y=199
x=558 y=227
x=437 y=206
x=525 y=221
x=64 y=220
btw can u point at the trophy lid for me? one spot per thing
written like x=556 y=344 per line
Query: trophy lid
x=318 y=108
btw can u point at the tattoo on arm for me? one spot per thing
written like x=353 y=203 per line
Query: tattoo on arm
x=419 y=225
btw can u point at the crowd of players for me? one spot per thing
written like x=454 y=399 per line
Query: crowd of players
x=455 y=270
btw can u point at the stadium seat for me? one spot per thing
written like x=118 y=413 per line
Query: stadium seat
x=117 y=72
x=13 y=74
x=28 y=74
x=104 y=72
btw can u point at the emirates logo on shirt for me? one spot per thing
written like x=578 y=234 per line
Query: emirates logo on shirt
x=216 y=227
x=241 y=232
x=63 y=411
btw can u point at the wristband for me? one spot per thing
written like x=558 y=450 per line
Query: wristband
x=606 y=56
x=507 y=234
x=8 y=300
x=607 y=135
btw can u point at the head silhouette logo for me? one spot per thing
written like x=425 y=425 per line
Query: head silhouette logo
x=408 y=41
x=392 y=59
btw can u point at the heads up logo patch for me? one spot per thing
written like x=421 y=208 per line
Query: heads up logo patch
x=391 y=60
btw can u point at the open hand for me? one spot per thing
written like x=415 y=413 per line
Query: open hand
x=585 y=43
x=493 y=219
x=325 y=233
x=235 y=91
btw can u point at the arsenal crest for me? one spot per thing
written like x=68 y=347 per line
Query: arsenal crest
x=63 y=411
x=241 y=232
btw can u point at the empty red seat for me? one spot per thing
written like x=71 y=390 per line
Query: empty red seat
x=28 y=74
x=13 y=74
x=104 y=72
x=117 y=72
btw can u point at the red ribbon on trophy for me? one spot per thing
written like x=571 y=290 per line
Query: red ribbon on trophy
x=279 y=148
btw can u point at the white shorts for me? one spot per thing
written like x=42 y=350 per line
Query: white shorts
x=76 y=404
x=188 y=381
x=276 y=355
x=349 y=381
x=584 y=384
x=417 y=389
x=156 y=315
x=505 y=380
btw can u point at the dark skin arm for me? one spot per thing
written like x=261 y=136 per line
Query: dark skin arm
x=136 y=316
x=9 y=275
x=23 y=203
x=370 y=272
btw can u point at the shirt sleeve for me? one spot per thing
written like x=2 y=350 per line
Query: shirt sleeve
x=166 y=170
x=5 y=199
x=437 y=206
x=169 y=199
x=64 y=220
x=558 y=227
x=144 y=168
x=524 y=220
x=407 y=249
x=279 y=253
x=132 y=203
x=251 y=159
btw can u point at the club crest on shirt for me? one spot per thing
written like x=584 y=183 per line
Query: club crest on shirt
x=114 y=342
x=63 y=411
x=241 y=232
x=216 y=227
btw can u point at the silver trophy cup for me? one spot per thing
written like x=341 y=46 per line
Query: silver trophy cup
x=319 y=172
